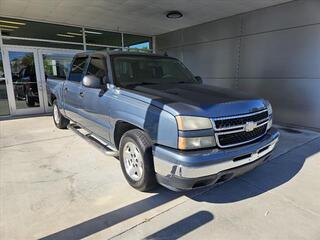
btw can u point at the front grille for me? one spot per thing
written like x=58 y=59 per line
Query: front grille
x=230 y=122
x=237 y=138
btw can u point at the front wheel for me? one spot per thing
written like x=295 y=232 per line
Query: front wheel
x=59 y=120
x=136 y=160
x=30 y=101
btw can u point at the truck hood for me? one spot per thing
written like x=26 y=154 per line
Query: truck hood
x=197 y=99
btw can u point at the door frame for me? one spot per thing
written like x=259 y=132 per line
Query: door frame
x=8 y=75
x=40 y=75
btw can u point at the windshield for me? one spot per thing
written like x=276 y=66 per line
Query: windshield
x=139 y=70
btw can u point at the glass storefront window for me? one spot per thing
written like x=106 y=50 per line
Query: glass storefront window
x=56 y=66
x=28 y=77
x=99 y=37
x=20 y=42
x=137 y=42
x=4 y=104
x=96 y=48
x=38 y=30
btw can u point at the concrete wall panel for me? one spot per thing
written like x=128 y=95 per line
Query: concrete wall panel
x=289 y=15
x=212 y=60
x=292 y=53
x=272 y=52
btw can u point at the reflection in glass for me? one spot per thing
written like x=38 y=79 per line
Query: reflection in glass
x=142 y=43
x=102 y=37
x=4 y=104
x=40 y=30
x=56 y=66
x=24 y=79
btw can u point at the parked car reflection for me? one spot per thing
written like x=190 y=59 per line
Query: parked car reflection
x=25 y=86
x=24 y=79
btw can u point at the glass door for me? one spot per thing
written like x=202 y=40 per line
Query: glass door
x=4 y=103
x=23 y=74
x=54 y=64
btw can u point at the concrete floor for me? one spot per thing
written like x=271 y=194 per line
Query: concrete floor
x=54 y=185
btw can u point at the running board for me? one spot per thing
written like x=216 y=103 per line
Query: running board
x=95 y=141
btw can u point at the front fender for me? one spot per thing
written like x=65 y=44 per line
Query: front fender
x=158 y=123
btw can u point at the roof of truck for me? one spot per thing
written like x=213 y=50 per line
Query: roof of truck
x=122 y=53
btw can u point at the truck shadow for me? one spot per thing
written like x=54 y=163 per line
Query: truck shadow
x=107 y=220
x=184 y=226
x=264 y=178
x=268 y=176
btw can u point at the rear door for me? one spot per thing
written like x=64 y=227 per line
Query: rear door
x=72 y=88
x=95 y=100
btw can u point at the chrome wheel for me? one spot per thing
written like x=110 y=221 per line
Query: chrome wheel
x=133 y=161
x=56 y=115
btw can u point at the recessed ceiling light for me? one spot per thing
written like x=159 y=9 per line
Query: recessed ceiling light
x=8 y=26
x=75 y=34
x=6 y=30
x=174 y=14
x=65 y=35
x=92 y=32
x=12 y=22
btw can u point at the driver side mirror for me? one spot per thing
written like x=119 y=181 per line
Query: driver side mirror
x=198 y=78
x=91 y=81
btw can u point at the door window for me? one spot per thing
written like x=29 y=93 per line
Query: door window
x=24 y=79
x=77 y=69
x=97 y=67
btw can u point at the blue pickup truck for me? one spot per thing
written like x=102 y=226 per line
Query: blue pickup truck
x=161 y=121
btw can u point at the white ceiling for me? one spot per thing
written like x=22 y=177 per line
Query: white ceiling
x=135 y=16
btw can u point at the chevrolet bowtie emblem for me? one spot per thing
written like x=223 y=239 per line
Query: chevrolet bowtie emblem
x=250 y=126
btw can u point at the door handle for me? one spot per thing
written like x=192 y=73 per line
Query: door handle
x=81 y=94
x=66 y=89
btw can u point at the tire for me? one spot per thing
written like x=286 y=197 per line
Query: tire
x=59 y=120
x=30 y=101
x=133 y=143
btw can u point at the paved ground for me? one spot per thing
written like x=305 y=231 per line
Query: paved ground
x=54 y=185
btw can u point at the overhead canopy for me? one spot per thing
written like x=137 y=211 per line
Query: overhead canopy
x=135 y=16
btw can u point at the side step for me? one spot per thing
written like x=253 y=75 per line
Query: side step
x=97 y=142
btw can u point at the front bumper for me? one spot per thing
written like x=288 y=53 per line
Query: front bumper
x=182 y=170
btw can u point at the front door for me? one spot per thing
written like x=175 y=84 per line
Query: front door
x=27 y=69
x=23 y=74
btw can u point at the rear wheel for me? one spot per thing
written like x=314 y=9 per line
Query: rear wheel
x=59 y=120
x=136 y=160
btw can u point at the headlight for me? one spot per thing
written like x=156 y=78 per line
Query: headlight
x=269 y=109
x=270 y=116
x=186 y=123
x=186 y=143
x=269 y=123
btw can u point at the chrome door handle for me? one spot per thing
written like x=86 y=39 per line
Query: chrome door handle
x=81 y=94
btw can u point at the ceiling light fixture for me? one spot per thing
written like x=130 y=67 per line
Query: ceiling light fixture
x=75 y=34
x=92 y=32
x=174 y=14
x=65 y=35
x=8 y=26
x=6 y=30
x=12 y=22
